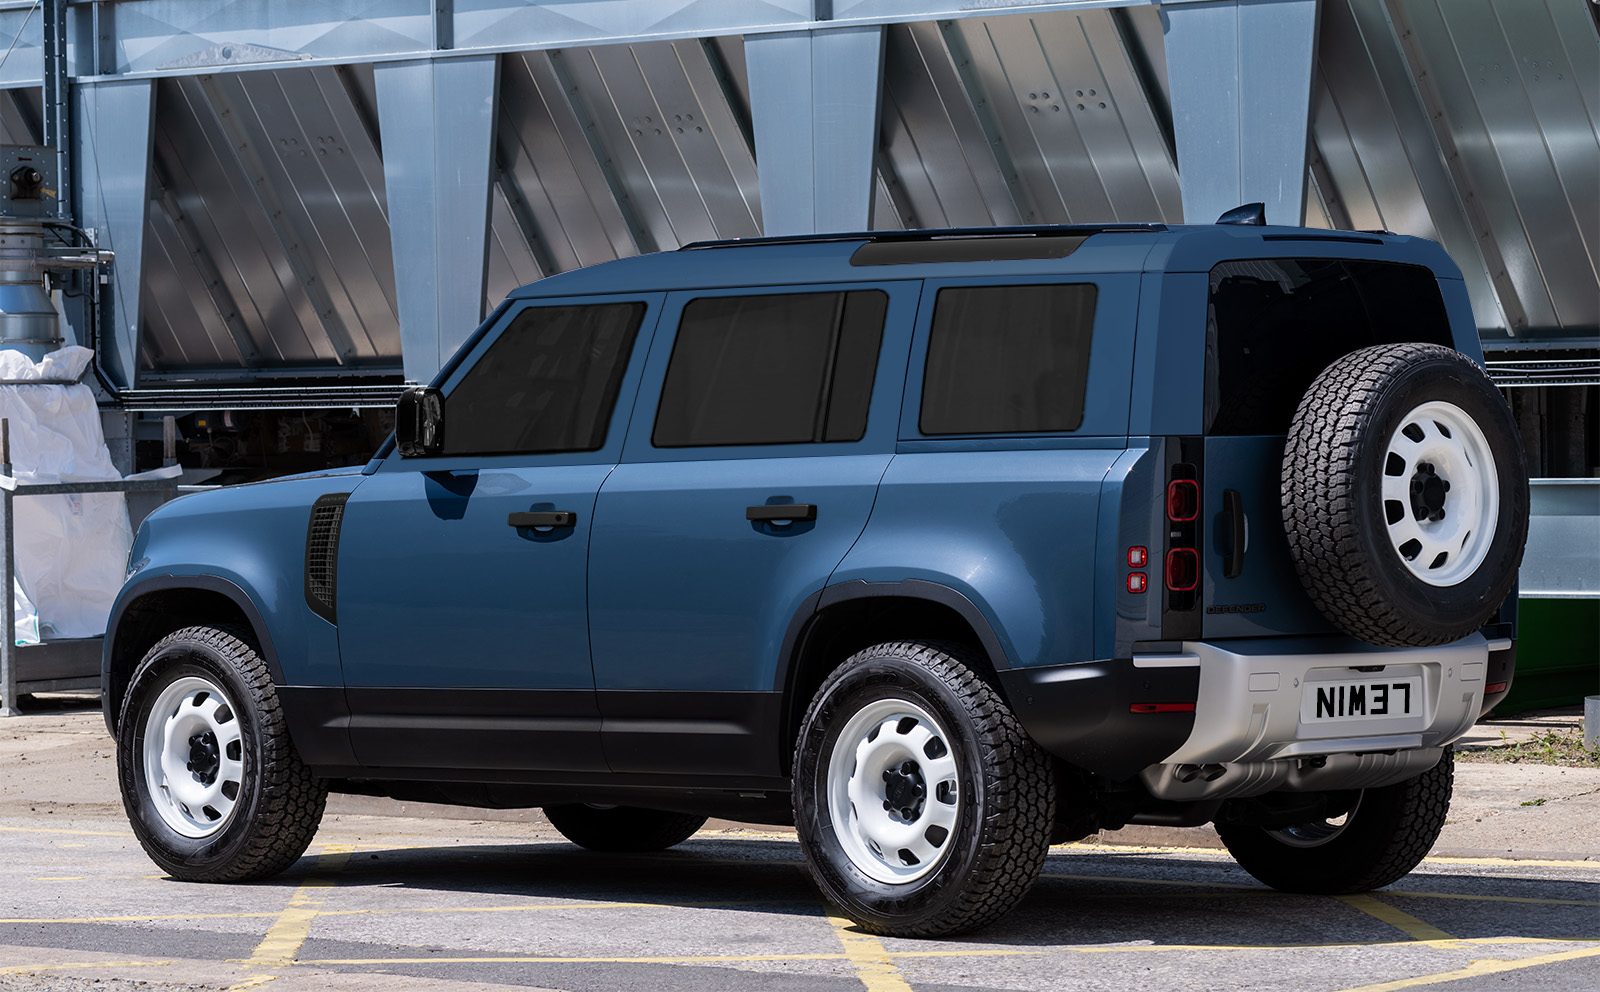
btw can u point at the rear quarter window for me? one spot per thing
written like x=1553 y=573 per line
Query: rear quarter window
x=1008 y=359
x=1272 y=325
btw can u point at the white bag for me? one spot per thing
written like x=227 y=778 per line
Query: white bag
x=71 y=551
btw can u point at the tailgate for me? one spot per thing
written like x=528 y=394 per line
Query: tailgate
x=1250 y=586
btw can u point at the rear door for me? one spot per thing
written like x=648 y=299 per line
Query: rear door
x=1272 y=326
x=765 y=421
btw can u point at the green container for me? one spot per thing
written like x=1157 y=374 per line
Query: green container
x=1558 y=655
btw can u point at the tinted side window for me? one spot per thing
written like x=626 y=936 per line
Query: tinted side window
x=547 y=384
x=1274 y=324
x=1008 y=359
x=784 y=369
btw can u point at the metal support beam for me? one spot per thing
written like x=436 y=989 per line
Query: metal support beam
x=1240 y=73
x=814 y=98
x=57 y=112
x=111 y=141
x=437 y=119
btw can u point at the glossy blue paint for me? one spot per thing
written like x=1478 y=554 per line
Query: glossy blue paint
x=436 y=590
x=254 y=538
x=1013 y=531
x=665 y=586
x=688 y=594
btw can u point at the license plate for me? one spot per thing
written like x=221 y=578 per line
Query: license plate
x=1361 y=699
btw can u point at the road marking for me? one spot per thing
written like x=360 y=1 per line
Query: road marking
x=868 y=957
x=286 y=935
x=69 y=833
x=970 y=952
x=1411 y=926
x=1480 y=968
x=29 y=969
x=60 y=878
x=1217 y=852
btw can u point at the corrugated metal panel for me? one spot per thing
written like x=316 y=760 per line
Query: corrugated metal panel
x=1042 y=119
x=1469 y=121
x=1472 y=122
x=268 y=242
x=606 y=152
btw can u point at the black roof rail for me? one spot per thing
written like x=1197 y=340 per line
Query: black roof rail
x=929 y=234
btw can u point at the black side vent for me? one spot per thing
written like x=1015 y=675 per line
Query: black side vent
x=322 y=554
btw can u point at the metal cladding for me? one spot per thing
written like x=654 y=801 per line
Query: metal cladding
x=267 y=240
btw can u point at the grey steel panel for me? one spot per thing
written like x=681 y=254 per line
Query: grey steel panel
x=112 y=145
x=21 y=44
x=814 y=100
x=1563 y=531
x=1240 y=76
x=154 y=35
x=270 y=238
x=1371 y=130
x=1473 y=122
x=984 y=122
x=934 y=145
x=551 y=22
x=437 y=126
x=1074 y=116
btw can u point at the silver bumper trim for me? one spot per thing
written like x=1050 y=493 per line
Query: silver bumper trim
x=1248 y=707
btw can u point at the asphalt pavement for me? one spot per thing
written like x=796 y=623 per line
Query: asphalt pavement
x=409 y=896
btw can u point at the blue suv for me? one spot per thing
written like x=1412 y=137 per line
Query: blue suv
x=943 y=546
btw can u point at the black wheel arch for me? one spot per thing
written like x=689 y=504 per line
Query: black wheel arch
x=161 y=604
x=838 y=620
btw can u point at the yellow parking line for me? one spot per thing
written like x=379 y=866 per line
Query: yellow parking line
x=29 y=969
x=1218 y=852
x=1480 y=968
x=60 y=878
x=969 y=952
x=284 y=938
x=66 y=832
x=868 y=957
x=1411 y=926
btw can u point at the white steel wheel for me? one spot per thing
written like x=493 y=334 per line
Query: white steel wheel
x=893 y=789
x=1316 y=833
x=193 y=757
x=1441 y=493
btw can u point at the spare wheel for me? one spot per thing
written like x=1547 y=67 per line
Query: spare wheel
x=1405 y=496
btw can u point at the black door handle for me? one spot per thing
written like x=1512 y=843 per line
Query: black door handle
x=543 y=518
x=1233 y=510
x=781 y=511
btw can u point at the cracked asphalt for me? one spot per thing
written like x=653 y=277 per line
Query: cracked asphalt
x=408 y=896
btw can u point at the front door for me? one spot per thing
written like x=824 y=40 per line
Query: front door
x=462 y=611
x=763 y=427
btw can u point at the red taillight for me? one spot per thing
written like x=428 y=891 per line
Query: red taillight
x=1494 y=687
x=1161 y=708
x=1138 y=582
x=1138 y=556
x=1183 y=500
x=1183 y=569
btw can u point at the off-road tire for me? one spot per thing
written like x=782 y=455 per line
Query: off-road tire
x=1333 y=510
x=280 y=804
x=1006 y=803
x=1392 y=830
x=622 y=828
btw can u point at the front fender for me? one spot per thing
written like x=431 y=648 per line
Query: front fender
x=246 y=543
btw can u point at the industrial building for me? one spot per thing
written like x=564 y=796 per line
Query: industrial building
x=265 y=216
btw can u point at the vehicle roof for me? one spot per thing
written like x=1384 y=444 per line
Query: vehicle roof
x=1105 y=249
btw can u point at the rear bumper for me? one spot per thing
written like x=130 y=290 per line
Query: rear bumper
x=1251 y=735
x=1245 y=734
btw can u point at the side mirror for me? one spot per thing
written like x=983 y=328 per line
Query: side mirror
x=419 y=422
